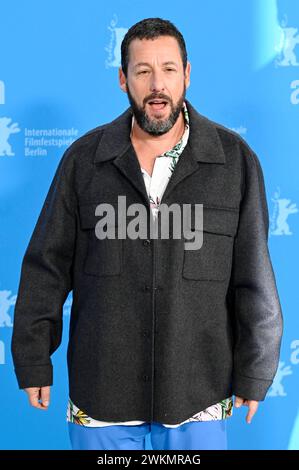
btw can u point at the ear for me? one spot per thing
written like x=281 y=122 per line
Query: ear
x=122 y=80
x=187 y=74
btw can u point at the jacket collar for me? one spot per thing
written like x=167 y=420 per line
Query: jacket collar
x=204 y=141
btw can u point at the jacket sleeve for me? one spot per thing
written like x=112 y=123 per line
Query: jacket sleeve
x=45 y=281
x=257 y=316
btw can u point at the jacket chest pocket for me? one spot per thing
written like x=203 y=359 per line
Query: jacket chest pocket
x=103 y=256
x=213 y=260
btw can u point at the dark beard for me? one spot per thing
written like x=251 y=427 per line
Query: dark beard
x=156 y=126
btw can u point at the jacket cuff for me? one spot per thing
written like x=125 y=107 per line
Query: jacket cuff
x=250 y=388
x=34 y=376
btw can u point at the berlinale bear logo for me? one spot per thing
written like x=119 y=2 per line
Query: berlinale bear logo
x=6 y=129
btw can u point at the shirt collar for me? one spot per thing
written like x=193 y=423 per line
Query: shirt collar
x=205 y=141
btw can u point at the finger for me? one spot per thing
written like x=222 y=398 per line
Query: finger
x=252 y=410
x=33 y=395
x=238 y=402
x=45 y=396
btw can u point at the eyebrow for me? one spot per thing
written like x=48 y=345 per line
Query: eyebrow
x=169 y=62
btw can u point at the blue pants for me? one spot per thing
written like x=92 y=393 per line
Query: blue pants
x=197 y=435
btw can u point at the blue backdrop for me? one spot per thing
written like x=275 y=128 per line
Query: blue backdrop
x=59 y=78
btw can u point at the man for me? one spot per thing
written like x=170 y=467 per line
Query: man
x=161 y=336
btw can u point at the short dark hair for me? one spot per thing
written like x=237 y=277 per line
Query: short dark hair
x=151 y=28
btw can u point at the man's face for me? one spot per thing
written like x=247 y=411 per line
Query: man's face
x=155 y=72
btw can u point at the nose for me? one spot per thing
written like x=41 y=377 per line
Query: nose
x=157 y=83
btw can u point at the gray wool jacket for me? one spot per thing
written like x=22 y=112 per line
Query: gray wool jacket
x=157 y=332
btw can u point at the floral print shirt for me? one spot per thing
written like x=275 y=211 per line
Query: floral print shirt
x=155 y=186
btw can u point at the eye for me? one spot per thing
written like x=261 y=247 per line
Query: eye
x=143 y=71
x=170 y=70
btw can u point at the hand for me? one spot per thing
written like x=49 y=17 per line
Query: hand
x=39 y=393
x=252 y=404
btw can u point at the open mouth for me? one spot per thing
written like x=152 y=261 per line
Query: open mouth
x=158 y=104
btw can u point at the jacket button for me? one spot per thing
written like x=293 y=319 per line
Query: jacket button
x=146 y=242
x=145 y=333
x=146 y=288
x=145 y=378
